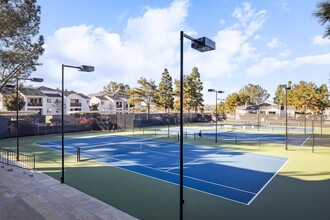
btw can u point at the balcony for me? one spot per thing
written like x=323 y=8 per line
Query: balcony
x=37 y=104
x=75 y=104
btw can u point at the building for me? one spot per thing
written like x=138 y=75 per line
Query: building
x=113 y=104
x=48 y=101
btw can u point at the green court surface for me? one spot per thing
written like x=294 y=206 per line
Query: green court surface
x=301 y=190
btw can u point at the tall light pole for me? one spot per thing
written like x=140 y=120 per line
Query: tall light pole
x=286 y=87
x=82 y=68
x=216 y=111
x=17 y=108
x=202 y=44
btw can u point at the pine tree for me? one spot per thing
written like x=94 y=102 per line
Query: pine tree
x=194 y=88
x=165 y=91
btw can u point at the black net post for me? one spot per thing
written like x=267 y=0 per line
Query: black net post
x=78 y=154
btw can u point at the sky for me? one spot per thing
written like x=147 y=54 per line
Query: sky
x=259 y=42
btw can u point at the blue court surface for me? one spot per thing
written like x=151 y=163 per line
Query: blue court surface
x=233 y=175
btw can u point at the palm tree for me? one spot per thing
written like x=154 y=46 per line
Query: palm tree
x=323 y=14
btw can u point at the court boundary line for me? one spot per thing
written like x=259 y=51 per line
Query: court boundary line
x=275 y=174
x=162 y=180
x=305 y=141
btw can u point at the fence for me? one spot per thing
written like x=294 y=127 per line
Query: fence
x=9 y=157
x=40 y=125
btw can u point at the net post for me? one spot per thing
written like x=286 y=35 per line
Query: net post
x=194 y=136
x=186 y=134
x=78 y=154
x=34 y=162
x=236 y=140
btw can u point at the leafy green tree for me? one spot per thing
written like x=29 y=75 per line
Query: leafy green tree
x=146 y=92
x=306 y=96
x=322 y=12
x=233 y=101
x=255 y=94
x=10 y=102
x=165 y=91
x=20 y=46
x=280 y=94
x=114 y=88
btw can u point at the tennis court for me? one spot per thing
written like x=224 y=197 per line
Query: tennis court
x=232 y=175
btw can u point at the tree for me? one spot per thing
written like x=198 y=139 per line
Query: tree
x=114 y=88
x=306 y=96
x=94 y=107
x=255 y=94
x=323 y=14
x=146 y=92
x=165 y=97
x=233 y=100
x=10 y=102
x=193 y=89
x=280 y=94
x=19 y=27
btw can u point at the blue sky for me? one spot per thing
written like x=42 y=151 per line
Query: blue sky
x=259 y=42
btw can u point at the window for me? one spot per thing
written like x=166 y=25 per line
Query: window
x=87 y=101
x=102 y=102
x=49 y=110
x=49 y=100
x=119 y=105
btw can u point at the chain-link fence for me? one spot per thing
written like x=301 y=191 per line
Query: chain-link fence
x=29 y=125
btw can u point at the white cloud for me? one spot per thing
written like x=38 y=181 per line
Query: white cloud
x=268 y=65
x=320 y=41
x=149 y=44
x=274 y=43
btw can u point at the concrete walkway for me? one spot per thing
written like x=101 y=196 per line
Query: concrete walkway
x=33 y=195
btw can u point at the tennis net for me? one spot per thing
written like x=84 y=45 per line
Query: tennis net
x=108 y=150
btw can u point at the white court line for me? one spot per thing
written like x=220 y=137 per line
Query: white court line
x=305 y=141
x=267 y=182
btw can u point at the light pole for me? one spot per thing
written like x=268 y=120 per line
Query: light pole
x=286 y=87
x=202 y=44
x=216 y=111
x=82 y=68
x=17 y=108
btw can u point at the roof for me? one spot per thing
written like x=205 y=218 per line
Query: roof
x=67 y=93
x=44 y=88
x=52 y=95
x=31 y=91
x=102 y=98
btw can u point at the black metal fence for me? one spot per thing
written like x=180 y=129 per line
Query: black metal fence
x=9 y=157
x=42 y=125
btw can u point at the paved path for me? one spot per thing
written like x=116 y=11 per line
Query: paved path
x=34 y=195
